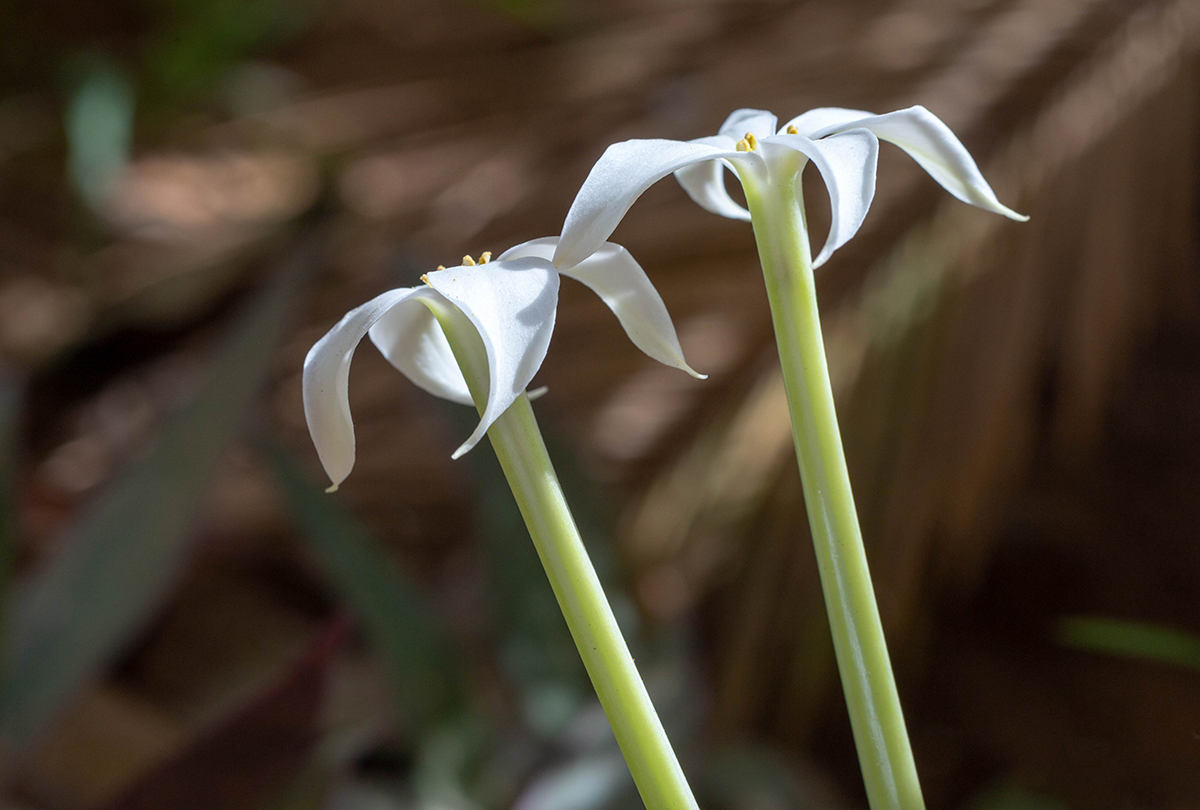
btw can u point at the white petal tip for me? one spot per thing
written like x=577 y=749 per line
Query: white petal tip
x=996 y=207
x=537 y=393
x=463 y=449
x=695 y=373
x=332 y=488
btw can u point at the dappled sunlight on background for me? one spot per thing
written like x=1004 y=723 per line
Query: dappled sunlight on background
x=191 y=193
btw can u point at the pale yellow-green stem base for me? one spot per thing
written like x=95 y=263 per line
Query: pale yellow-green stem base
x=522 y=454
x=889 y=772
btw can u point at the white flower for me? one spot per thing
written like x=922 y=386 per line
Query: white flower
x=843 y=144
x=509 y=303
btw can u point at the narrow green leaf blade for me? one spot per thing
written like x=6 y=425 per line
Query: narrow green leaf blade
x=1126 y=639
x=400 y=624
x=10 y=397
x=73 y=618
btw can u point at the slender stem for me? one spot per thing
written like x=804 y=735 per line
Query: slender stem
x=884 y=752
x=522 y=453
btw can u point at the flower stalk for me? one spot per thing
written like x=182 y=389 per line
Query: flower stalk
x=843 y=145
x=522 y=453
x=776 y=208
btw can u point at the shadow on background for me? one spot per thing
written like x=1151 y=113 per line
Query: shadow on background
x=193 y=191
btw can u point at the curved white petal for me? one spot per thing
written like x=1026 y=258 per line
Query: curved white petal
x=704 y=182
x=759 y=123
x=931 y=144
x=511 y=303
x=624 y=171
x=412 y=340
x=327 y=376
x=542 y=248
x=847 y=163
x=614 y=275
x=822 y=120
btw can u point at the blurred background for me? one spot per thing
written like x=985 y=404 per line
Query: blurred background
x=193 y=191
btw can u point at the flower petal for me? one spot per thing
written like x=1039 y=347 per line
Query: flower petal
x=823 y=120
x=327 y=376
x=931 y=143
x=614 y=275
x=704 y=182
x=511 y=303
x=759 y=123
x=624 y=171
x=847 y=164
x=412 y=340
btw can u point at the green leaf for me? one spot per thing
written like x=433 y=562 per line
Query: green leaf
x=1126 y=639
x=99 y=130
x=119 y=562
x=399 y=623
x=9 y=411
x=195 y=42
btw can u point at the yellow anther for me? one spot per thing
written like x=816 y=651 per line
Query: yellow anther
x=440 y=267
x=426 y=278
x=468 y=261
x=485 y=257
x=751 y=141
x=742 y=146
x=791 y=130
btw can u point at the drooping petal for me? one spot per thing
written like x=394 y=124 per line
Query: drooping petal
x=704 y=182
x=823 y=120
x=759 y=123
x=327 y=377
x=931 y=144
x=614 y=275
x=511 y=303
x=624 y=171
x=847 y=163
x=412 y=340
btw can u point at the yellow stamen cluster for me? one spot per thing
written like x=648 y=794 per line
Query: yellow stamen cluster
x=747 y=144
x=467 y=261
x=791 y=130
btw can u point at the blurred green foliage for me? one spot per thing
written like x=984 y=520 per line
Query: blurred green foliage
x=10 y=403
x=402 y=629
x=1127 y=639
x=99 y=124
x=74 y=617
x=195 y=43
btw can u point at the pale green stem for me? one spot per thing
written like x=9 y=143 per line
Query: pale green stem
x=777 y=212
x=518 y=444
